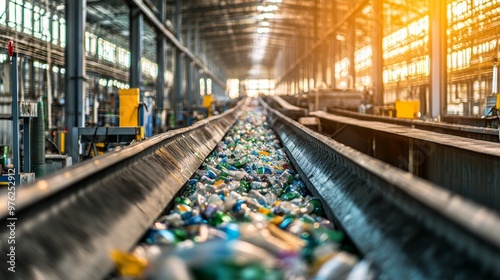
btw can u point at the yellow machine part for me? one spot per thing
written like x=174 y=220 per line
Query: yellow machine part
x=498 y=101
x=101 y=149
x=129 y=107
x=407 y=109
x=62 y=139
x=207 y=102
x=141 y=133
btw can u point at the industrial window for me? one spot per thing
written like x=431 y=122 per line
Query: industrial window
x=462 y=92
x=100 y=47
x=476 y=92
x=62 y=37
x=55 y=30
x=209 y=86
x=106 y=50
x=385 y=76
x=233 y=86
x=3 y=12
x=90 y=43
x=480 y=3
x=36 y=22
x=363 y=58
x=202 y=86
x=109 y=51
x=457 y=10
x=254 y=87
x=28 y=15
x=12 y=14
x=45 y=25
x=452 y=93
x=311 y=83
x=123 y=57
x=454 y=60
x=19 y=15
x=149 y=68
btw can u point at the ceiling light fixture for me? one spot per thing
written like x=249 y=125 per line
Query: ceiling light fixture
x=366 y=10
x=267 y=9
x=267 y=16
x=261 y=30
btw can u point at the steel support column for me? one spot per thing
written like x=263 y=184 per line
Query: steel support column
x=178 y=94
x=32 y=79
x=351 y=48
x=136 y=47
x=438 y=22
x=197 y=76
x=16 y=157
x=315 y=56
x=136 y=34
x=189 y=66
x=377 y=52
x=205 y=84
x=27 y=148
x=74 y=59
x=196 y=87
x=324 y=49
x=334 y=44
x=161 y=44
x=300 y=71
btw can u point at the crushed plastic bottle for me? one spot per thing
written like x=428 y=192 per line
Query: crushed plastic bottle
x=247 y=214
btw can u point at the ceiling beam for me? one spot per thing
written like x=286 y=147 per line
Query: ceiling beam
x=213 y=8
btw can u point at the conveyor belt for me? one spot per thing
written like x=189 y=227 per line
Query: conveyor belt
x=286 y=108
x=68 y=222
x=467 y=131
x=487 y=148
x=411 y=229
x=468 y=167
x=242 y=211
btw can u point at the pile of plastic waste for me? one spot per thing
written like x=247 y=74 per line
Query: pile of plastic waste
x=245 y=214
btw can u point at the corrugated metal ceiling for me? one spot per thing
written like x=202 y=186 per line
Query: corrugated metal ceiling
x=243 y=35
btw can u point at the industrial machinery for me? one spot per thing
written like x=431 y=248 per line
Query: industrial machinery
x=208 y=102
x=4 y=156
x=332 y=98
x=132 y=126
x=492 y=111
x=21 y=172
x=407 y=109
x=361 y=101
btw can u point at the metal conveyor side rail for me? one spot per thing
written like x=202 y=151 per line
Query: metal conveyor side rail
x=473 y=132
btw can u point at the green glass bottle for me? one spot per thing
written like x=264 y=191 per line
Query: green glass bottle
x=245 y=186
x=219 y=218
